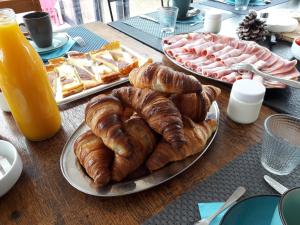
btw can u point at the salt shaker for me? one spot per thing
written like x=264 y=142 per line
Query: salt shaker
x=245 y=101
x=212 y=22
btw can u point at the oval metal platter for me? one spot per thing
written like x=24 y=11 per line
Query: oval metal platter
x=75 y=175
x=199 y=74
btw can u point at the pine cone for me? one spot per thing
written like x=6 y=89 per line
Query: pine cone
x=252 y=28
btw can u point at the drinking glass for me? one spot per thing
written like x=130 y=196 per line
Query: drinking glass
x=241 y=4
x=167 y=19
x=281 y=144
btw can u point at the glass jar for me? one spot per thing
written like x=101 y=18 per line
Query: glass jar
x=24 y=82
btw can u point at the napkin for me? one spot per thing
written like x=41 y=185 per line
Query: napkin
x=59 y=52
x=206 y=209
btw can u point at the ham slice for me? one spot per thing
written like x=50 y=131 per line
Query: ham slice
x=185 y=58
x=294 y=73
x=195 y=62
x=271 y=61
x=189 y=46
x=251 y=59
x=210 y=71
x=230 y=78
x=179 y=43
x=212 y=65
x=221 y=52
x=198 y=48
x=221 y=73
x=210 y=50
x=232 y=53
x=286 y=67
x=173 y=39
x=259 y=64
x=234 y=60
x=173 y=52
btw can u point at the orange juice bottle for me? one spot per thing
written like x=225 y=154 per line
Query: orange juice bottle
x=24 y=82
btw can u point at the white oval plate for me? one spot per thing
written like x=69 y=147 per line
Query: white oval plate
x=278 y=24
x=75 y=175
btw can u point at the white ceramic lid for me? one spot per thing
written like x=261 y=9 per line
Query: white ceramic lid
x=250 y=91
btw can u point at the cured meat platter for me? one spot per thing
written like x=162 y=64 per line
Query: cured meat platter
x=211 y=56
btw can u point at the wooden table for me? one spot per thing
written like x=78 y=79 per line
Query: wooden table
x=42 y=196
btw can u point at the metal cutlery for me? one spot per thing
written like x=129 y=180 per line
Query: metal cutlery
x=249 y=67
x=275 y=185
x=149 y=18
x=230 y=201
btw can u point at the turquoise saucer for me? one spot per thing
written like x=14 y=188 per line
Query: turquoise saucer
x=256 y=210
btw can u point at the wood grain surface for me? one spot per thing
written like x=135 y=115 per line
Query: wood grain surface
x=42 y=196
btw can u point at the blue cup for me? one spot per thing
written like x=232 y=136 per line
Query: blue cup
x=183 y=6
x=266 y=210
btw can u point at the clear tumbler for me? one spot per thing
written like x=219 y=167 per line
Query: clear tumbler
x=167 y=19
x=281 y=144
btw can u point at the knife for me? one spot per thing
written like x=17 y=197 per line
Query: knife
x=149 y=18
x=275 y=185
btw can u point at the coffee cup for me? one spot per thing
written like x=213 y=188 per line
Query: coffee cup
x=287 y=211
x=183 y=6
x=39 y=27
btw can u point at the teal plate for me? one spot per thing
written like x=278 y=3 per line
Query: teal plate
x=59 y=40
x=256 y=210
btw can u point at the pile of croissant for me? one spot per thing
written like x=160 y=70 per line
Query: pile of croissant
x=160 y=119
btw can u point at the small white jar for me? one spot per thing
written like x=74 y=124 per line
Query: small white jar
x=245 y=101
x=212 y=22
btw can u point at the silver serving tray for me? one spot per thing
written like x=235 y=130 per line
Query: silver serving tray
x=75 y=175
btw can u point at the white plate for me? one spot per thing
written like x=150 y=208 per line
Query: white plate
x=59 y=40
x=74 y=174
x=279 y=24
x=61 y=100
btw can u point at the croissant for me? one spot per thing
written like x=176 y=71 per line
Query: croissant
x=144 y=138
x=164 y=79
x=196 y=135
x=95 y=157
x=196 y=105
x=103 y=116
x=158 y=111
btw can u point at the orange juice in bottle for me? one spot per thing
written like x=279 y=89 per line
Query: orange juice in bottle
x=24 y=82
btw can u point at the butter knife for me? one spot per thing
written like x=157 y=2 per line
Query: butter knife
x=149 y=18
x=275 y=185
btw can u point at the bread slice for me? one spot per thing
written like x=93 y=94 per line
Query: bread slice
x=126 y=62
x=52 y=77
x=83 y=66
x=104 y=73
x=69 y=81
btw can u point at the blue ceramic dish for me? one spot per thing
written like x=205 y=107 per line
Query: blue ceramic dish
x=256 y=210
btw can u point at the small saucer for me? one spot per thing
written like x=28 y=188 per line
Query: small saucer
x=193 y=12
x=59 y=40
